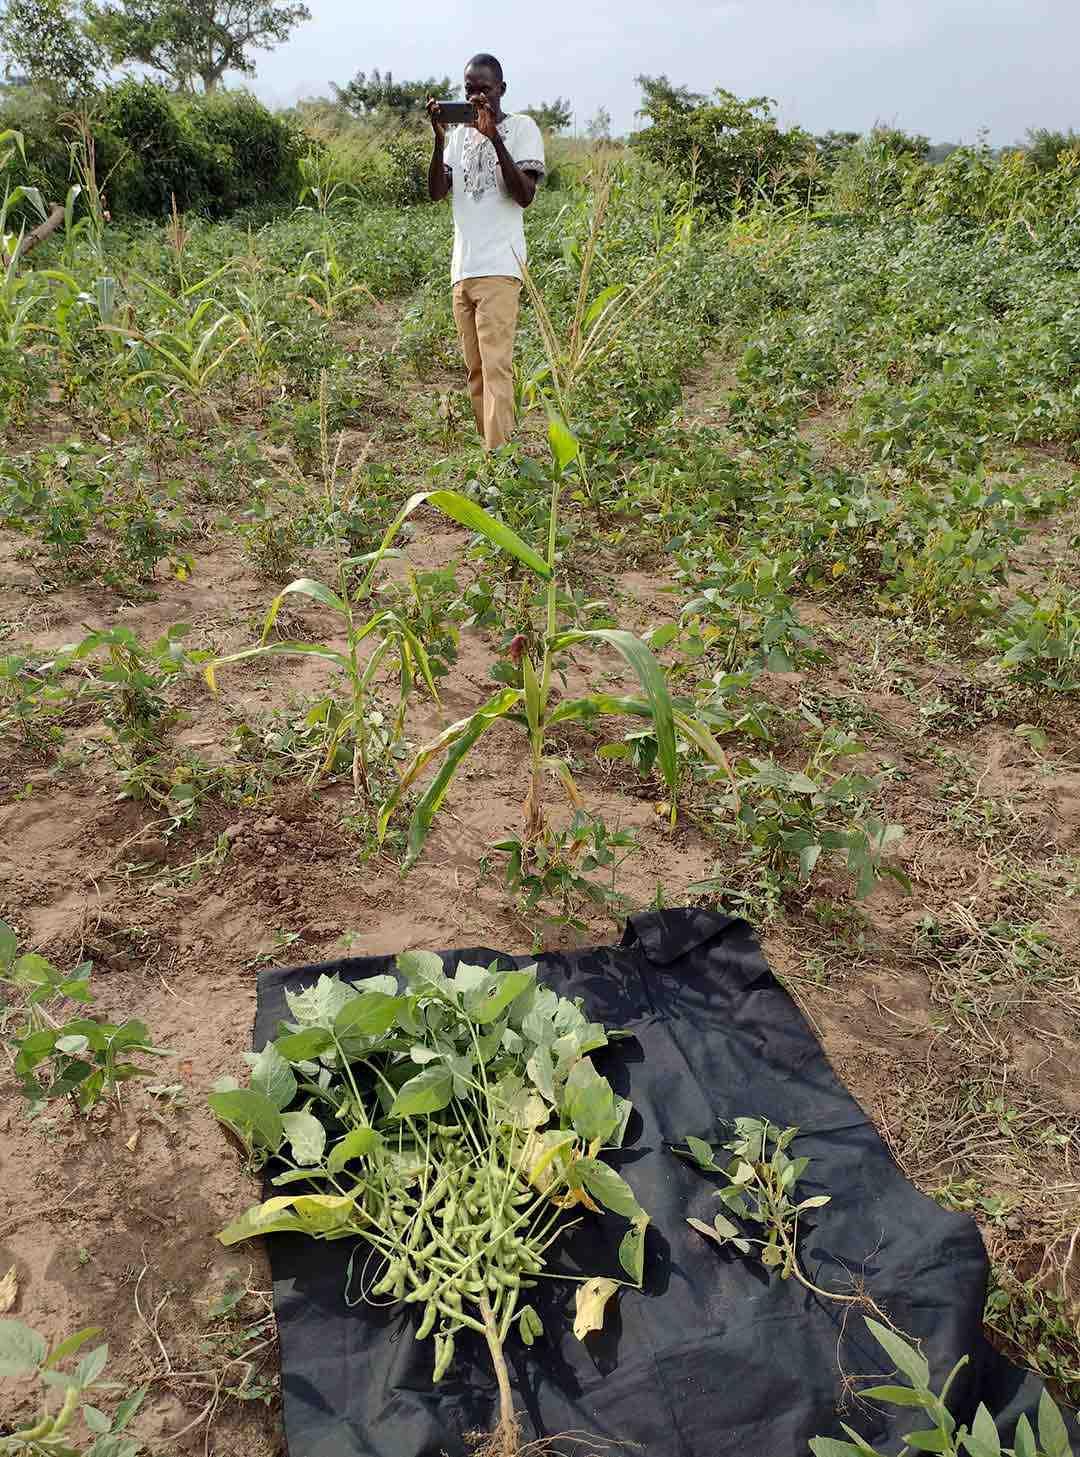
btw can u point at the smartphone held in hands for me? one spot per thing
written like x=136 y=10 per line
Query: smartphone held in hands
x=455 y=112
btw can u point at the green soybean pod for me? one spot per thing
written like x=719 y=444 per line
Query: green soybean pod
x=444 y=1353
x=427 y=1325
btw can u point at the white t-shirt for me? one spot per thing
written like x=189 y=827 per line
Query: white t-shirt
x=489 y=226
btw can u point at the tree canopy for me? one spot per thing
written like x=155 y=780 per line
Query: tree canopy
x=659 y=94
x=189 y=40
x=43 y=41
x=551 y=116
x=380 y=95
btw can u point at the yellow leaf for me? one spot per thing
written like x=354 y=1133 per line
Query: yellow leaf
x=591 y=1301
x=662 y=807
x=210 y=676
x=133 y=1141
x=838 y=569
x=9 y=1291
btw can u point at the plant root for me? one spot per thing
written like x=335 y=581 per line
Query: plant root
x=562 y=1444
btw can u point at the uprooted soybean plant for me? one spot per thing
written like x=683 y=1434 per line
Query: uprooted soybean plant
x=455 y=1126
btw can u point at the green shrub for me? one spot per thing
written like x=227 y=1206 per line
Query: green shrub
x=260 y=151
x=735 y=146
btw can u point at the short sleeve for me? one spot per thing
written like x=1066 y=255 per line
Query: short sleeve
x=528 y=149
x=453 y=147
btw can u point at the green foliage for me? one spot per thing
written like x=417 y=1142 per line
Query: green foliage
x=379 y=95
x=731 y=148
x=450 y=1122
x=44 y=41
x=559 y=871
x=551 y=116
x=787 y=822
x=84 y=1058
x=130 y=680
x=25 y=1353
x=761 y=1192
x=1037 y=643
x=188 y=41
x=97 y=514
x=213 y=154
x=945 y=1435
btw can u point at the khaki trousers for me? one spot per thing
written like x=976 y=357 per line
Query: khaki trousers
x=485 y=311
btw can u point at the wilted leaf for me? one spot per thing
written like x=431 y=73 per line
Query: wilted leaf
x=318 y=1006
x=9 y=1291
x=608 y=1188
x=306 y=1135
x=272 y=1076
x=632 y=1248
x=308 y=1213
x=591 y=1302
x=252 y=1114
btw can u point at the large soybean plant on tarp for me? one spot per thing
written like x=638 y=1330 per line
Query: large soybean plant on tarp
x=454 y=1125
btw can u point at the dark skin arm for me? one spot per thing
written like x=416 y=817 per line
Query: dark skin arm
x=438 y=180
x=520 y=185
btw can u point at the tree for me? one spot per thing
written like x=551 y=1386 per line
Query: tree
x=45 y=42
x=598 y=128
x=551 y=116
x=189 y=39
x=382 y=94
x=1043 y=147
x=730 y=146
x=658 y=94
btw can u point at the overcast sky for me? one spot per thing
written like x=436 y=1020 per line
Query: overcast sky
x=943 y=67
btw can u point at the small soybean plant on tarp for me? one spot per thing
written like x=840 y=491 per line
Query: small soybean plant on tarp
x=456 y=1125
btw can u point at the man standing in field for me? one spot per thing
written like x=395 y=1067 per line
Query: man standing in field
x=492 y=168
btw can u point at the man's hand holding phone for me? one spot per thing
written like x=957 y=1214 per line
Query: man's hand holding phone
x=485 y=119
x=436 y=123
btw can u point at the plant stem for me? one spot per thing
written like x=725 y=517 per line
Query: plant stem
x=507 y=1420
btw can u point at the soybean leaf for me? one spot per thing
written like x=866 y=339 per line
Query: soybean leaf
x=250 y=1113
x=896 y=1395
x=929 y=1439
x=306 y=1135
x=9 y=945
x=428 y=1092
x=903 y=1356
x=369 y=1015
x=632 y=1248
x=830 y=1447
x=590 y=1303
x=357 y=1144
x=1025 y=1439
x=272 y=1076
x=608 y=1188
x=96 y=1420
x=128 y=1407
x=1053 y=1436
x=303 y=1046
x=589 y=1102
x=495 y=992
x=983 y=1439
x=91 y=1366
x=311 y=1213
x=21 y=1349
x=318 y=1005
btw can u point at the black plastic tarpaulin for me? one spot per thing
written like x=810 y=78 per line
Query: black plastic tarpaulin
x=716 y=1355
